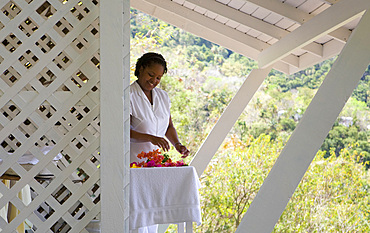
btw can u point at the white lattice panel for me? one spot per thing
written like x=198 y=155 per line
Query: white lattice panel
x=49 y=96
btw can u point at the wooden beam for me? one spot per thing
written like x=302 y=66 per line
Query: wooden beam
x=114 y=115
x=240 y=17
x=228 y=119
x=329 y=20
x=205 y=27
x=247 y=20
x=297 y=16
x=309 y=134
x=283 y=9
x=330 y=1
x=167 y=9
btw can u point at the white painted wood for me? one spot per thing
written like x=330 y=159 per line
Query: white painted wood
x=330 y=1
x=228 y=119
x=285 y=10
x=241 y=18
x=114 y=166
x=189 y=227
x=203 y=27
x=330 y=50
x=333 y=18
x=297 y=15
x=172 y=8
x=309 y=134
x=181 y=227
x=314 y=48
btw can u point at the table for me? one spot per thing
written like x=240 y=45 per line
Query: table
x=27 y=161
x=164 y=195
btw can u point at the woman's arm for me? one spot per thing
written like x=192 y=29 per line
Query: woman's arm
x=142 y=137
x=171 y=134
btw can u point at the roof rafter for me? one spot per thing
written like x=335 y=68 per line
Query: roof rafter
x=330 y=1
x=239 y=17
x=329 y=20
x=249 y=21
x=205 y=27
x=298 y=16
x=189 y=15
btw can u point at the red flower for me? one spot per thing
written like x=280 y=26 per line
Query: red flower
x=156 y=159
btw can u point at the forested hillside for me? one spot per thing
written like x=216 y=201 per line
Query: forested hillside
x=202 y=79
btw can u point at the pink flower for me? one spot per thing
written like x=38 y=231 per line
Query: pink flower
x=151 y=163
x=155 y=159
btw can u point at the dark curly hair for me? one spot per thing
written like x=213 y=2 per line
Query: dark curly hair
x=148 y=59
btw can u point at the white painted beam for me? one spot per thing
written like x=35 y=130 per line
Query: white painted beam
x=114 y=44
x=314 y=48
x=309 y=134
x=228 y=119
x=247 y=20
x=211 y=30
x=283 y=9
x=240 y=17
x=298 y=16
x=330 y=1
x=168 y=9
x=329 y=20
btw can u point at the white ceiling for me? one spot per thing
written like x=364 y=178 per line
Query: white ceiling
x=289 y=35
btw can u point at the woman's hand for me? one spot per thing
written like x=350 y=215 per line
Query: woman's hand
x=161 y=142
x=182 y=150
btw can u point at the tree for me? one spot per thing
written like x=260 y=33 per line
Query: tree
x=333 y=195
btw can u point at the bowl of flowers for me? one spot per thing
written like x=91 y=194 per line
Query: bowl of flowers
x=156 y=159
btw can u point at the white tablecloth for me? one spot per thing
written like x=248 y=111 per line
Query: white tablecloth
x=163 y=196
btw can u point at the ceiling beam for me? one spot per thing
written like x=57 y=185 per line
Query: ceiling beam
x=186 y=18
x=240 y=17
x=298 y=16
x=297 y=155
x=329 y=20
x=205 y=27
x=247 y=20
x=330 y=1
x=284 y=9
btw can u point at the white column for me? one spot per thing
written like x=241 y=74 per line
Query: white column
x=114 y=145
x=311 y=131
x=228 y=119
x=226 y=122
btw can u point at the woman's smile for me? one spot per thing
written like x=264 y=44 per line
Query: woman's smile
x=150 y=77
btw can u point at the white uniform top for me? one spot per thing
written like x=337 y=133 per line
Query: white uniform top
x=147 y=118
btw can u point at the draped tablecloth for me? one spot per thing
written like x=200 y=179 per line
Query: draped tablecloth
x=164 y=195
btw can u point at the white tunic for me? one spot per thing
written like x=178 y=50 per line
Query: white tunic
x=147 y=118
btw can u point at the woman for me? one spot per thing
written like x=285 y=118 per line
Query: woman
x=150 y=118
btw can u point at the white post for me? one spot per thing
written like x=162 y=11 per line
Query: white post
x=228 y=119
x=311 y=131
x=114 y=145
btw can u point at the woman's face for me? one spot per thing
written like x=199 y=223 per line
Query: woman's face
x=150 y=76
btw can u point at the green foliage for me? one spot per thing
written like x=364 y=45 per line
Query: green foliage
x=351 y=137
x=311 y=77
x=203 y=77
x=232 y=180
x=332 y=196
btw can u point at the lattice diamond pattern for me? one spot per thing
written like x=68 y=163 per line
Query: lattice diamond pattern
x=45 y=43
x=28 y=27
x=28 y=59
x=49 y=105
x=11 y=10
x=63 y=27
x=46 y=10
x=10 y=76
x=1 y=25
x=11 y=42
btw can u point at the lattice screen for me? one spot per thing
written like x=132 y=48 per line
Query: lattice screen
x=49 y=98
